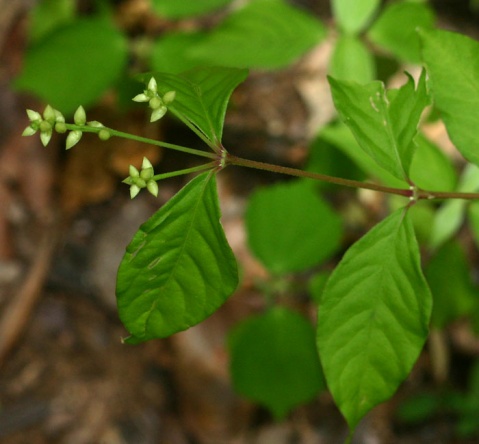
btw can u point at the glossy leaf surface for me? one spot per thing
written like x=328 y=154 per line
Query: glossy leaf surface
x=373 y=317
x=202 y=96
x=290 y=228
x=383 y=122
x=265 y=352
x=179 y=268
x=452 y=62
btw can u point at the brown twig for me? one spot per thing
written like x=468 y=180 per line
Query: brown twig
x=17 y=312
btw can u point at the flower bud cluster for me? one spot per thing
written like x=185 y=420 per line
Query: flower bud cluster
x=157 y=103
x=53 y=119
x=142 y=179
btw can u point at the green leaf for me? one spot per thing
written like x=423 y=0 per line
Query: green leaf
x=179 y=268
x=451 y=56
x=450 y=216
x=431 y=169
x=448 y=276
x=202 y=96
x=354 y=15
x=340 y=136
x=290 y=228
x=75 y=64
x=48 y=15
x=262 y=34
x=265 y=351
x=395 y=29
x=170 y=52
x=384 y=123
x=351 y=60
x=174 y=9
x=373 y=317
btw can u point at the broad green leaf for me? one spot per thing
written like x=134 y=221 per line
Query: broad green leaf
x=202 y=96
x=351 y=60
x=354 y=15
x=75 y=64
x=179 y=268
x=174 y=9
x=290 y=228
x=450 y=216
x=395 y=29
x=170 y=52
x=373 y=317
x=453 y=293
x=262 y=34
x=383 y=122
x=265 y=352
x=48 y=15
x=431 y=169
x=340 y=136
x=452 y=62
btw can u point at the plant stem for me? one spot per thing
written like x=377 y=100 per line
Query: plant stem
x=234 y=160
x=196 y=169
x=96 y=130
x=408 y=192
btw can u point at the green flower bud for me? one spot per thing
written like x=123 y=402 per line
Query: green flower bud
x=33 y=116
x=73 y=138
x=155 y=103
x=104 y=134
x=80 y=116
x=158 y=113
x=45 y=126
x=146 y=163
x=134 y=190
x=152 y=86
x=45 y=137
x=133 y=171
x=59 y=117
x=29 y=131
x=152 y=187
x=141 y=98
x=49 y=113
x=169 y=97
x=60 y=128
x=147 y=173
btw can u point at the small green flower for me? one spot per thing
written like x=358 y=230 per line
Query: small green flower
x=155 y=101
x=142 y=179
x=45 y=124
x=73 y=138
x=80 y=116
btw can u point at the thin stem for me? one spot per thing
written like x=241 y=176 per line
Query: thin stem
x=196 y=169
x=446 y=195
x=233 y=160
x=91 y=129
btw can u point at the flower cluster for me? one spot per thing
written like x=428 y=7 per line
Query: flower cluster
x=51 y=119
x=157 y=103
x=142 y=179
